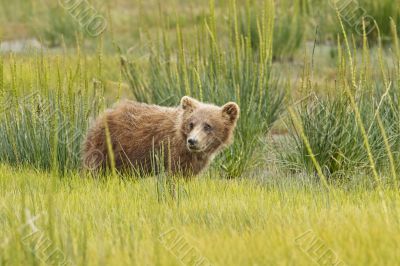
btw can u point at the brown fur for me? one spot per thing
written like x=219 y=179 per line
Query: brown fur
x=138 y=131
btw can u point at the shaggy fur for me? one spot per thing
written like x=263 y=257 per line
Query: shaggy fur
x=187 y=137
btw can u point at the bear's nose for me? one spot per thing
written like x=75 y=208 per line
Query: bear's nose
x=192 y=141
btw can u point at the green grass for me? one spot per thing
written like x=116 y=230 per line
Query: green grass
x=237 y=222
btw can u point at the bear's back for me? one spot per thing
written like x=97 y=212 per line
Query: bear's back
x=137 y=129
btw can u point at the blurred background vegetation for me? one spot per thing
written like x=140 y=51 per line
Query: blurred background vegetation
x=296 y=21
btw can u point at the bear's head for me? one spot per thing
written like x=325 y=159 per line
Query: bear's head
x=207 y=128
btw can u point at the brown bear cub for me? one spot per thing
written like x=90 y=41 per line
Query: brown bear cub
x=187 y=137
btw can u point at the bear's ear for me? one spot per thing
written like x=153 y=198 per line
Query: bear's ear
x=231 y=111
x=188 y=104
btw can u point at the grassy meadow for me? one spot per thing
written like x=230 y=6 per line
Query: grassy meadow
x=311 y=178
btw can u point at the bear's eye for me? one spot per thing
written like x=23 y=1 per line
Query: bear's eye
x=191 y=125
x=207 y=127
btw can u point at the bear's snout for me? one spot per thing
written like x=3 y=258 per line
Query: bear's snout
x=193 y=144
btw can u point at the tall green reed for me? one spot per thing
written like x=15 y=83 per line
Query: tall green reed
x=382 y=12
x=359 y=128
x=289 y=27
x=46 y=103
